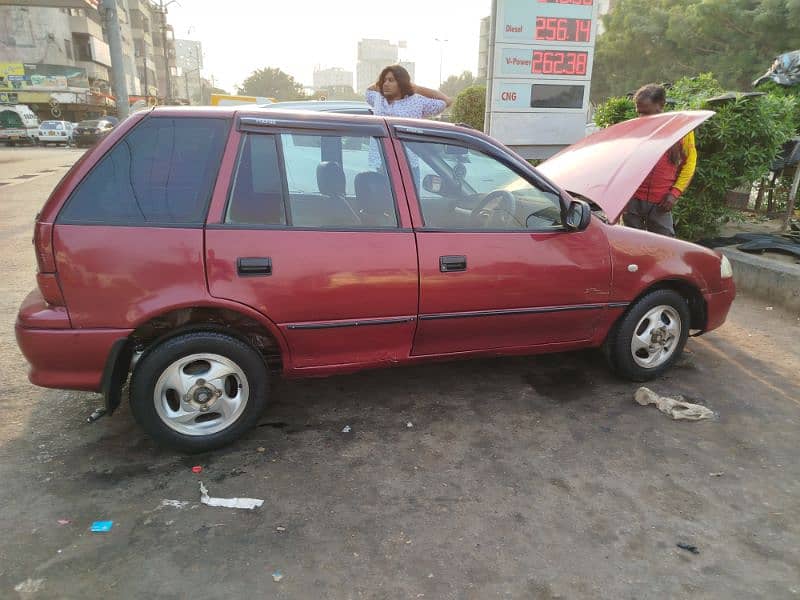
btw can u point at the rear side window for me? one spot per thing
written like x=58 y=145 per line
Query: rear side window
x=161 y=173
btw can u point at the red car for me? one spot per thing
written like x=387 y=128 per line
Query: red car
x=196 y=251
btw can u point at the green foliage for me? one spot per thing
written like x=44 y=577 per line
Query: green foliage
x=614 y=110
x=470 y=106
x=455 y=84
x=735 y=147
x=792 y=91
x=272 y=83
x=663 y=40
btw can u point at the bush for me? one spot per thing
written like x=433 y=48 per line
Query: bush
x=614 y=110
x=735 y=147
x=470 y=107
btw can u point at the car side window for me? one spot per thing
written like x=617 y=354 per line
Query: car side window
x=162 y=173
x=257 y=194
x=333 y=183
x=462 y=188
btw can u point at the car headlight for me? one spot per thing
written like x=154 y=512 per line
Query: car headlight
x=725 y=268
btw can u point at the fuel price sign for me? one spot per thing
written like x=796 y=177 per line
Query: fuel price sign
x=540 y=72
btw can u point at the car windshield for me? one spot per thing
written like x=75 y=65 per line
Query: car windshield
x=88 y=123
x=52 y=125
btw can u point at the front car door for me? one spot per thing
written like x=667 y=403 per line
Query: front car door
x=310 y=235
x=498 y=269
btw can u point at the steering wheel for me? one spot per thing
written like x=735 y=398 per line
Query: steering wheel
x=498 y=215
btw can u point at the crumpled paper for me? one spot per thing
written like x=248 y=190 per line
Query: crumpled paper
x=677 y=408
x=248 y=503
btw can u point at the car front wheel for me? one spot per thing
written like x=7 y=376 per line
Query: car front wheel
x=650 y=337
x=199 y=391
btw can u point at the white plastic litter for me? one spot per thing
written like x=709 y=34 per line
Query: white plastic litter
x=346 y=429
x=29 y=586
x=677 y=408
x=248 y=503
x=174 y=503
x=409 y=425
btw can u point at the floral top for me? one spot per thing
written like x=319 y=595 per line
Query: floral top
x=415 y=106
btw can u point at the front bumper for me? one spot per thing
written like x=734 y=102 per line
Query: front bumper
x=718 y=304
x=61 y=357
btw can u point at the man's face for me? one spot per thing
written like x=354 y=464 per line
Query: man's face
x=645 y=108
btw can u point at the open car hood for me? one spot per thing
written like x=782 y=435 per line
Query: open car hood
x=609 y=166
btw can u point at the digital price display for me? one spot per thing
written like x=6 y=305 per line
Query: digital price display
x=559 y=29
x=559 y=62
x=541 y=70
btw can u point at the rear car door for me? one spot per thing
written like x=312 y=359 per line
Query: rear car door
x=498 y=269
x=309 y=233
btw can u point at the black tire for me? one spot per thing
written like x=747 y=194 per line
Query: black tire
x=159 y=358
x=617 y=347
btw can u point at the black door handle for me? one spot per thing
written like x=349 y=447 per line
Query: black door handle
x=254 y=266
x=452 y=263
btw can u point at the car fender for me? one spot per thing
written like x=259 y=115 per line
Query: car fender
x=641 y=260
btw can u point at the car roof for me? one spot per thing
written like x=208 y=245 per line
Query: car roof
x=246 y=110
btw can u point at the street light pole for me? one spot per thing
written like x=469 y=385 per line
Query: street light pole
x=441 y=52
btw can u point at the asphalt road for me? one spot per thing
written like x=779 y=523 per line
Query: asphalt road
x=517 y=478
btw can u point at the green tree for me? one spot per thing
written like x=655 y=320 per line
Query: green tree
x=735 y=147
x=470 y=106
x=272 y=83
x=664 y=40
x=455 y=84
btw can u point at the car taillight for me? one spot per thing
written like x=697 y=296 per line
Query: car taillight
x=43 y=244
x=46 y=278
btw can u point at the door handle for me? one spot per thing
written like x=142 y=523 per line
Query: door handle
x=452 y=263
x=254 y=266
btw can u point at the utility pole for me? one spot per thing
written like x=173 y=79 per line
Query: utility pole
x=167 y=73
x=117 y=60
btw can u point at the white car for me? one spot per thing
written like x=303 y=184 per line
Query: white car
x=55 y=132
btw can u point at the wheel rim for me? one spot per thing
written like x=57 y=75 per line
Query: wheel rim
x=656 y=337
x=201 y=394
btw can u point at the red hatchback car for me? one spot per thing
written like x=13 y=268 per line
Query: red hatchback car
x=195 y=251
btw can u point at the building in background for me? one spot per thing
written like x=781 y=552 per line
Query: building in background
x=189 y=59
x=333 y=83
x=55 y=60
x=373 y=56
x=483 y=47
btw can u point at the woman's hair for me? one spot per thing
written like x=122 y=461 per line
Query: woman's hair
x=652 y=92
x=402 y=77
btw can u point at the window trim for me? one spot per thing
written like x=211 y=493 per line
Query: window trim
x=61 y=220
x=232 y=183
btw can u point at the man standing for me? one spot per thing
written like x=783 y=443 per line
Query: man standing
x=651 y=206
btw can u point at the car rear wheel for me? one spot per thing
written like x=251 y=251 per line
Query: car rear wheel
x=650 y=337
x=199 y=391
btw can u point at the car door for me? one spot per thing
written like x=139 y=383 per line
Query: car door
x=310 y=235
x=498 y=269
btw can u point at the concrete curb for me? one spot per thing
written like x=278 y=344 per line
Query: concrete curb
x=774 y=282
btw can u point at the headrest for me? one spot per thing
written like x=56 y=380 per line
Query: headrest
x=330 y=178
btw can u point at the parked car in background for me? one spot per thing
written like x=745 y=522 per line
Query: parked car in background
x=195 y=251
x=55 y=132
x=87 y=133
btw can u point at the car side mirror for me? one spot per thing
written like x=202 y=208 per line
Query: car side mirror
x=578 y=215
x=432 y=184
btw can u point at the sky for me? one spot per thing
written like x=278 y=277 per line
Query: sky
x=240 y=36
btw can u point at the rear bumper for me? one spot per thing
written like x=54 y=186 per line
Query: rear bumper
x=718 y=305
x=62 y=357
